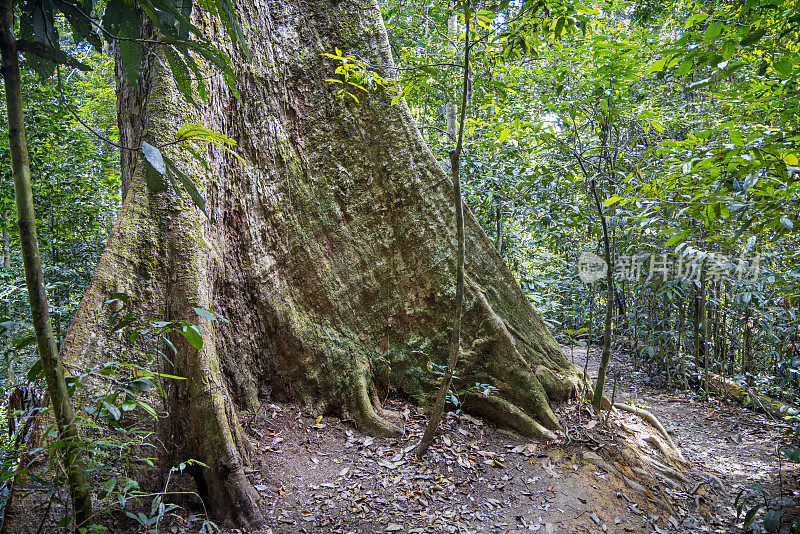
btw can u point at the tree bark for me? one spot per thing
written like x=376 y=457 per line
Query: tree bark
x=499 y=228
x=747 y=350
x=331 y=249
x=63 y=412
x=6 y=248
x=704 y=319
x=451 y=108
x=682 y=355
x=696 y=326
x=606 y=357
x=6 y=268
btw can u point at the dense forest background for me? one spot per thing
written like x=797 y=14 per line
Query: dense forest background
x=685 y=113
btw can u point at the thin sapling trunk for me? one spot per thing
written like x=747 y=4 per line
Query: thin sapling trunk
x=601 y=372
x=455 y=340
x=34 y=277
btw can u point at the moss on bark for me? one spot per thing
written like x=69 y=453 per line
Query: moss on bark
x=331 y=254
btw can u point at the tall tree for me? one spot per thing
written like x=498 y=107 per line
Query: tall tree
x=329 y=252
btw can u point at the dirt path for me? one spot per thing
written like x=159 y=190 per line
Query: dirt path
x=319 y=475
x=322 y=476
x=738 y=446
x=325 y=477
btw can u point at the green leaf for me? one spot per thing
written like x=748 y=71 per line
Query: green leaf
x=658 y=65
x=181 y=75
x=204 y=313
x=187 y=184
x=685 y=66
x=198 y=75
x=146 y=407
x=22 y=342
x=728 y=48
x=752 y=37
x=504 y=135
x=193 y=336
x=142 y=384
x=771 y=520
x=121 y=21
x=147 y=372
x=43 y=51
x=612 y=200
x=108 y=487
x=713 y=31
x=697 y=17
x=131 y=53
x=154 y=157
x=677 y=238
x=226 y=12
x=80 y=20
x=559 y=27
x=783 y=67
x=36 y=371
x=155 y=169
x=169 y=345
x=154 y=179
x=37 y=26
x=197 y=156
x=195 y=131
x=113 y=410
x=735 y=135
x=792 y=454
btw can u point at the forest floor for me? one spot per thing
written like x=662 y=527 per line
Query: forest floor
x=736 y=445
x=319 y=475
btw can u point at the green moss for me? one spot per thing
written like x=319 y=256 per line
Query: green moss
x=348 y=26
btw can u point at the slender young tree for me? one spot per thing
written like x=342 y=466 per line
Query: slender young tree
x=597 y=401
x=704 y=318
x=34 y=277
x=455 y=339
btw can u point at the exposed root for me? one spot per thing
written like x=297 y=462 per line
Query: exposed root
x=595 y=459
x=377 y=405
x=244 y=500
x=523 y=388
x=664 y=469
x=367 y=419
x=511 y=373
x=501 y=411
x=658 y=444
x=706 y=478
x=741 y=394
x=653 y=420
x=558 y=388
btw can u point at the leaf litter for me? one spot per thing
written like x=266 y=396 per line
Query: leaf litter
x=318 y=474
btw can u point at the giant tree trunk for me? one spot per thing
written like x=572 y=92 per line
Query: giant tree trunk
x=333 y=250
